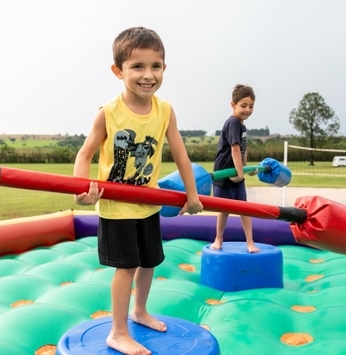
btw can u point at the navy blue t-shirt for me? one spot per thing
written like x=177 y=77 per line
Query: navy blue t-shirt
x=233 y=132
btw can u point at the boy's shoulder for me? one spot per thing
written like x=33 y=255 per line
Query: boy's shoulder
x=160 y=100
x=231 y=120
x=114 y=101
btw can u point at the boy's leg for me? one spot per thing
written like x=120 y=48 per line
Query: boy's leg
x=220 y=229
x=221 y=217
x=151 y=254
x=119 y=337
x=139 y=314
x=247 y=227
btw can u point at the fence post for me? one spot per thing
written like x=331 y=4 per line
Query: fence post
x=283 y=191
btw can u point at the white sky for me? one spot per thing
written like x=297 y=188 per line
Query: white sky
x=55 y=58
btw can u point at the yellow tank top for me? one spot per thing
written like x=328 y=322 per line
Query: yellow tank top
x=132 y=153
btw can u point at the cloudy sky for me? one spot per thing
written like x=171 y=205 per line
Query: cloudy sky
x=55 y=58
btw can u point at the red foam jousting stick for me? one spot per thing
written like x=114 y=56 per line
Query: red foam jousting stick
x=315 y=221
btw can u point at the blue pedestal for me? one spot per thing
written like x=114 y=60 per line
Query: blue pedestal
x=233 y=268
x=181 y=337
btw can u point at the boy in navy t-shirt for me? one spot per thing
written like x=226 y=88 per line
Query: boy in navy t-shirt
x=232 y=153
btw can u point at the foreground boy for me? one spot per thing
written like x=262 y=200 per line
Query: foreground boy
x=130 y=131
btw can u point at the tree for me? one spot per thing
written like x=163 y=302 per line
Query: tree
x=314 y=120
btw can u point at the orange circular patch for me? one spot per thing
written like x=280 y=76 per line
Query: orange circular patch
x=198 y=253
x=304 y=309
x=312 y=291
x=133 y=291
x=21 y=303
x=313 y=278
x=65 y=283
x=296 y=339
x=46 y=350
x=100 y=314
x=316 y=261
x=187 y=267
x=161 y=278
x=205 y=326
x=213 y=302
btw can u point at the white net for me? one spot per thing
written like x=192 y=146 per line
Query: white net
x=314 y=172
x=316 y=168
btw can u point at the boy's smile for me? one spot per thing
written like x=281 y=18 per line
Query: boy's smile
x=142 y=74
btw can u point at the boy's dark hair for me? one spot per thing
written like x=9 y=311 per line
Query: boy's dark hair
x=135 y=38
x=241 y=91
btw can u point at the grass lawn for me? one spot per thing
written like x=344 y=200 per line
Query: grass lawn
x=16 y=203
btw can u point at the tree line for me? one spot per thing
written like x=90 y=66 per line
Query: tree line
x=199 y=150
x=313 y=119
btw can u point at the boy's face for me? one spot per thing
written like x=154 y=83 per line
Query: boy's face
x=142 y=73
x=243 y=109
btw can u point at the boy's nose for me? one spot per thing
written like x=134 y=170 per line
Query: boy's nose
x=148 y=74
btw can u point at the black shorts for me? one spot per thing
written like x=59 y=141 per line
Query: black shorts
x=130 y=243
x=237 y=192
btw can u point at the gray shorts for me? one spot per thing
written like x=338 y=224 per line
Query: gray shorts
x=130 y=243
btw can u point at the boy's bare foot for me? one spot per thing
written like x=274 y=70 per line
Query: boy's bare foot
x=149 y=321
x=126 y=345
x=217 y=245
x=251 y=248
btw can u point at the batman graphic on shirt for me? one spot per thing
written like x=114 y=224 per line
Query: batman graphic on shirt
x=128 y=151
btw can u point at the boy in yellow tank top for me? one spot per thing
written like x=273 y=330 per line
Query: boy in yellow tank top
x=130 y=131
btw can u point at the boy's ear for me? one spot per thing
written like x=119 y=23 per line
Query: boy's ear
x=233 y=105
x=164 y=67
x=117 y=71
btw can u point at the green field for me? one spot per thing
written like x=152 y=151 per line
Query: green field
x=16 y=203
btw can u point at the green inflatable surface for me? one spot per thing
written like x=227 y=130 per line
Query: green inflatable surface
x=46 y=291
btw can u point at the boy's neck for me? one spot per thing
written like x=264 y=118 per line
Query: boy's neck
x=239 y=119
x=137 y=104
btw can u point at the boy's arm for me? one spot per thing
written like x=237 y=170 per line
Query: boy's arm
x=176 y=144
x=84 y=156
x=238 y=163
x=245 y=158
